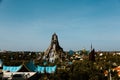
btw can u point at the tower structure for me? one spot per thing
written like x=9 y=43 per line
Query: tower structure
x=54 y=51
x=91 y=47
x=92 y=55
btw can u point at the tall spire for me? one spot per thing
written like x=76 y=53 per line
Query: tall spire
x=91 y=47
x=92 y=55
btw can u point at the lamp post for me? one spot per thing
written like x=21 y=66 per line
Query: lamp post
x=109 y=71
x=110 y=78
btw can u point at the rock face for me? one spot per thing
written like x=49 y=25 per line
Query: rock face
x=54 y=51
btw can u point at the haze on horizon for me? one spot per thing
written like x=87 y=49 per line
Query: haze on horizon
x=29 y=24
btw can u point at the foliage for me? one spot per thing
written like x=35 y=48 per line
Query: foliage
x=79 y=70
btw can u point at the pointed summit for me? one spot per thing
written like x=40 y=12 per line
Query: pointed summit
x=54 y=51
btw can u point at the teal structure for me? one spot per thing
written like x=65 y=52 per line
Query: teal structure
x=11 y=68
x=32 y=68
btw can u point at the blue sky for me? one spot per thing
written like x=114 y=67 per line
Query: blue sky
x=29 y=24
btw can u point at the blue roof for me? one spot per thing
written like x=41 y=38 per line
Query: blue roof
x=11 y=68
x=40 y=69
x=71 y=52
x=31 y=67
x=50 y=69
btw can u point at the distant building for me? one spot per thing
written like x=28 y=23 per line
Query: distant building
x=117 y=69
x=92 y=55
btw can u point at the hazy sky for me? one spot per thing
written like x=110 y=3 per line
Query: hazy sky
x=29 y=24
